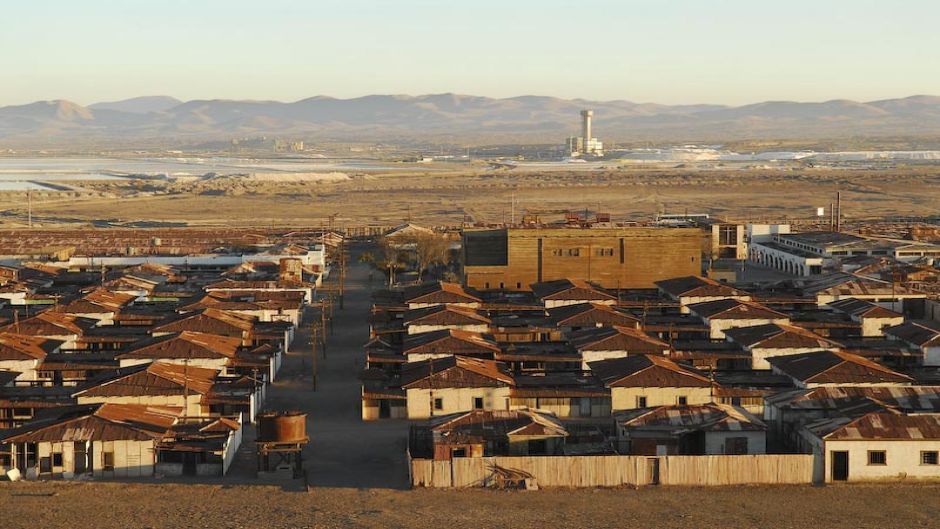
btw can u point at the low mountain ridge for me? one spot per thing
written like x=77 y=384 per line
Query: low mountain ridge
x=451 y=117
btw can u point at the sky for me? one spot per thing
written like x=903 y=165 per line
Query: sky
x=662 y=51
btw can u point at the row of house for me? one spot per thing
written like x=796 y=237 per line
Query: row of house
x=693 y=367
x=141 y=369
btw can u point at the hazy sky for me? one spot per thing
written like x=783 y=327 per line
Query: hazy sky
x=666 y=51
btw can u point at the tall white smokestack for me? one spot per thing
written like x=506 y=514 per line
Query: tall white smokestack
x=586 y=116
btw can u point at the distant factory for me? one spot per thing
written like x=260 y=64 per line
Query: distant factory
x=585 y=144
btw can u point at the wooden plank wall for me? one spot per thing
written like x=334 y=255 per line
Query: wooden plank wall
x=616 y=471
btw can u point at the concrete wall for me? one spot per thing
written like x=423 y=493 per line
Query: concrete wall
x=759 y=355
x=715 y=442
x=565 y=407
x=454 y=400
x=903 y=459
x=418 y=329
x=717 y=327
x=131 y=459
x=194 y=407
x=872 y=327
x=626 y=398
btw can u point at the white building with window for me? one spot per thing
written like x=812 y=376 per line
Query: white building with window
x=882 y=445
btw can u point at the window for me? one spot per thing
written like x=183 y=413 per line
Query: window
x=438 y=404
x=557 y=252
x=57 y=459
x=107 y=459
x=501 y=285
x=458 y=452
x=641 y=402
x=727 y=235
x=929 y=458
x=877 y=457
x=736 y=446
x=518 y=285
x=574 y=252
x=486 y=286
x=478 y=403
x=604 y=252
x=682 y=400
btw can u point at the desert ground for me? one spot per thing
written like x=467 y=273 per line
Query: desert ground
x=131 y=506
x=486 y=194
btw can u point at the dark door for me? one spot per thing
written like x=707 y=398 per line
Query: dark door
x=81 y=458
x=652 y=471
x=189 y=463
x=385 y=409
x=840 y=466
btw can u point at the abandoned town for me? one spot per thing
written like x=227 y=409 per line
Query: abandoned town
x=510 y=265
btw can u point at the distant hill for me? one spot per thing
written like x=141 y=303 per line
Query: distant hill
x=139 y=105
x=458 y=118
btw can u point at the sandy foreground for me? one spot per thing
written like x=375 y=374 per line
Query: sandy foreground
x=121 y=505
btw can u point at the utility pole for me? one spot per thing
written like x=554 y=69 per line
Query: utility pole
x=342 y=271
x=313 y=350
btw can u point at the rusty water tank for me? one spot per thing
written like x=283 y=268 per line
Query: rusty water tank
x=282 y=427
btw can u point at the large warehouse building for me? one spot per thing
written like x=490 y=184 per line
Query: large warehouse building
x=623 y=257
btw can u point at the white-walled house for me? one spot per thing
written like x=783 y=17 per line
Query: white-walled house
x=690 y=290
x=604 y=343
x=872 y=317
x=455 y=385
x=24 y=354
x=724 y=314
x=774 y=339
x=710 y=429
x=645 y=381
x=101 y=440
x=835 y=368
x=922 y=336
x=878 y=446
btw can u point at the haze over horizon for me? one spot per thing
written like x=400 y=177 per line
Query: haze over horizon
x=681 y=52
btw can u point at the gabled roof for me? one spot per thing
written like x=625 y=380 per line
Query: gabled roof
x=155 y=379
x=863 y=309
x=570 y=289
x=209 y=320
x=21 y=347
x=733 y=309
x=185 y=345
x=589 y=315
x=100 y=300
x=51 y=323
x=904 y=398
x=679 y=420
x=919 y=333
x=616 y=338
x=879 y=425
x=778 y=336
x=449 y=341
x=849 y=285
x=695 y=286
x=97 y=422
x=444 y=315
x=459 y=371
x=495 y=424
x=438 y=292
x=836 y=367
x=647 y=371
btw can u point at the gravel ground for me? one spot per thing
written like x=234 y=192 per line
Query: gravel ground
x=128 y=506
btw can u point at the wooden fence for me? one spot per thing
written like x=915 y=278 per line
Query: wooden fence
x=616 y=471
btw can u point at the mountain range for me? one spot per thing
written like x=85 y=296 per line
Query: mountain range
x=456 y=118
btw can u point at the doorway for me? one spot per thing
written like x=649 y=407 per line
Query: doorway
x=652 y=471
x=840 y=466
x=385 y=409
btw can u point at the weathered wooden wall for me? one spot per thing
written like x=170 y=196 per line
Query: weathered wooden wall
x=616 y=471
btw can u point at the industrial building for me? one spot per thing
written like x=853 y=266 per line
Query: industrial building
x=615 y=258
x=585 y=144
